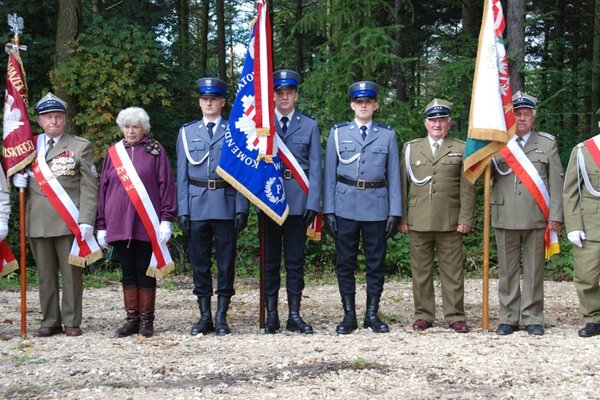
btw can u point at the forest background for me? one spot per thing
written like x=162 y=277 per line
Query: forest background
x=104 y=55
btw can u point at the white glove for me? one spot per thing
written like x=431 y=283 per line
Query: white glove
x=3 y=228
x=164 y=231
x=576 y=237
x=20 y=180
x=101 y=237
x=86 y=231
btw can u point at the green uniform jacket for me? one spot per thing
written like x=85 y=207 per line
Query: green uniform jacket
x=452 y=201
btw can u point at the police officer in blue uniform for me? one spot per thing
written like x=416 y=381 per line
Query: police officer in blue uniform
x=301 y=135
x=210 y=211
x=362 y=197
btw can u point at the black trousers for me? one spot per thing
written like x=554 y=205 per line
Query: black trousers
x=346 y=246
x=134 y=257
x=292 y=236
x=203 y=234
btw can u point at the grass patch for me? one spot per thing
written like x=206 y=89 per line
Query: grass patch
x=363 y=363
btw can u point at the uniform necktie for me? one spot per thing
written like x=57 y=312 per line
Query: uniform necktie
x=50 y=145
x=210 y=127
x=364 y=132
x=284 y=122
x=521 y=141
x=436 y=146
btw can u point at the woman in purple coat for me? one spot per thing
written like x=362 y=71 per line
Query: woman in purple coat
x=119 y=223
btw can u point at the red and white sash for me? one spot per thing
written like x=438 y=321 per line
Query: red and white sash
x=313 y=232
x=8 y=263
x=593 y=146
x=161 y=263
x=524 y=169
x=82 y=252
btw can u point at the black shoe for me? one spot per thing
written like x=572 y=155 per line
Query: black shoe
x=505 y=329
x=205 y=324
x=221 y=326
x=536 y=330
x=349 y=323
x=272 y=324
x=371 y=319
x=295 y=323
x=590 y=329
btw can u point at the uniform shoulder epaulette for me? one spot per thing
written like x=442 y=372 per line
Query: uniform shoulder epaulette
x=546 y=135
x=307 y=115
x=415 y=140
x=80 y=139
x=385 y=126
x=340 y=124
x=189 y=123
x=460 y=141
x=580 y=145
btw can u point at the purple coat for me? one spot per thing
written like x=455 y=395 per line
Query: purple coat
x=116 y=213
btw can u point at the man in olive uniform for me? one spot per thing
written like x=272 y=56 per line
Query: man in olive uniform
x=71 y=161
x=439 y=205
x=210 y=211
x=362 y=197
x=581 y=199
x=301 y=135
x=519 y=222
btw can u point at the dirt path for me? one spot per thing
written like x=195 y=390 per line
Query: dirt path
x=437 y=364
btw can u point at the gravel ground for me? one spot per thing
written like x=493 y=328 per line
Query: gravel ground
x=435 y=364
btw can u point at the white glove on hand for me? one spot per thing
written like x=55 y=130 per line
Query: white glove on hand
x=101 y=237
x=86 y=231
x=576 y=237
x=20 y=180
x=3 y=229
x=164 y=231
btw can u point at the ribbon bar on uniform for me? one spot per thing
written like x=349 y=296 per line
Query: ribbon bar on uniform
x=362 y=184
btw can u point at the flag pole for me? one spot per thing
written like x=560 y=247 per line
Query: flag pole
x=485 y=318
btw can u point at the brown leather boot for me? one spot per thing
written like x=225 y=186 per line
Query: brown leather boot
x=146 y=299
x=130 y=297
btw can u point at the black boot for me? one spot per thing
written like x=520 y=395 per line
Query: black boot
x=205 y=323
x=130 y=297
x=221 y=327
x=295 y=323
x=349 y=323
x=371 y=319
x=272 y=323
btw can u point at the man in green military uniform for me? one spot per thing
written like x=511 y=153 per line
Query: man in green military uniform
x=519 y=220
x=439 y=205
x=581 y=199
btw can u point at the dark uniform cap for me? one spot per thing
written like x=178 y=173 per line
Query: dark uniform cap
x=286 y=79
x=50 y=103
x=363 y=90
x=437 y=108
x=211 y=87
x=523 y=100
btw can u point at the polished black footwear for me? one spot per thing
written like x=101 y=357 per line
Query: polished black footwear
x=272 y=324
x=505 y=329
x=295 y=323
x=221 y=326
x=536 y=330
x=349 y=323
x=371 y=319
x=590 y=329
x=205 y=324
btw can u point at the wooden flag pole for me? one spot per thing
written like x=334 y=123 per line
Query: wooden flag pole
x=485 y=318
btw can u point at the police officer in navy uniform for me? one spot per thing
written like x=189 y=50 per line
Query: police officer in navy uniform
x=362 y=197
x=210 y=211
x=301 y=135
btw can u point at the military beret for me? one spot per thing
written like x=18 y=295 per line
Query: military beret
x=211 y=87
x=286 y=79
x=50 y=103
x=437 y=108
x=363 y=90
x=523 y=100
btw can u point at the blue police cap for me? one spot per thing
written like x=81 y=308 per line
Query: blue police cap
x=211 y=87
x=363 y=90
x=50 y=103
x=523 y=100
x=286 y=79
x=437 y=108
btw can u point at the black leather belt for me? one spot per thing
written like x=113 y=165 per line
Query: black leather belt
x=362 y=184
x=209 y=183
x=287 y=173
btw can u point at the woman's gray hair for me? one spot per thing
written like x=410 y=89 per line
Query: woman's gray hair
x=132 y=115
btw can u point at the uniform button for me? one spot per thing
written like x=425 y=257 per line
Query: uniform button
x=212 y=159
x=211 y=147
x=433 y=173
x=519 y=193
x=362 y=173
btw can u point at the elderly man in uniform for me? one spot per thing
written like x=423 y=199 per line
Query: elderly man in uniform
x=71 y=160
x=439 y=206
x=301 y=135
x=362 y=197
x=519 y=221
x=210 y=211
x=581 y=199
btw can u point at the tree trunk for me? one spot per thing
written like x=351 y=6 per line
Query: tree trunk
x=515 y=28
x=221 y=41
x=67 y=29
x=203 y=38
x=471 y=17
x=184 y=36
x=299 y=40
x=596 y=65
x=400 y=79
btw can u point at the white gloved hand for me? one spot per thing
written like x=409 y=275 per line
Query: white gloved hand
x=101 y=237
x=3 y=228
x=86 y=231
x=164 y=231
x=20 y=180
x=576 y=237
